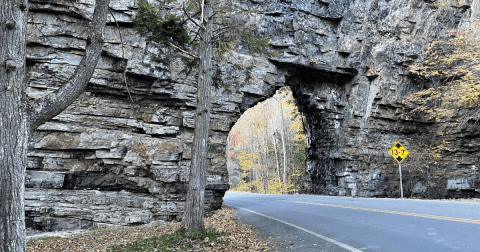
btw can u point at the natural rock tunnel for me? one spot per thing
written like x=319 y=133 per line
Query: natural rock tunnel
x=120 y=154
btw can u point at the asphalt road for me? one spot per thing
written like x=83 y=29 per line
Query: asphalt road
x=325 y=223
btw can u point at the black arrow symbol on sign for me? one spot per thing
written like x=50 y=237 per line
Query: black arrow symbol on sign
x=398 y=145
x=399 y=159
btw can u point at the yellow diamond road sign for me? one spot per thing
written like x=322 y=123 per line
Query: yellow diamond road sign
x=398 y=152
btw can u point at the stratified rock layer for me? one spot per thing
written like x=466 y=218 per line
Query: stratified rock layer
x=120 y=154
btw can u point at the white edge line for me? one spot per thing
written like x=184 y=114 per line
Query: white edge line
x=343 y=245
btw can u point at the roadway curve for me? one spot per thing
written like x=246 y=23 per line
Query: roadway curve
x=325 y=223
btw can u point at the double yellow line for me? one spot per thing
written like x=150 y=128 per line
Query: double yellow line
x=392 y=212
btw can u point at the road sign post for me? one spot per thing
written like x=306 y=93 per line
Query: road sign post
x=399 y=153
x=401 y=187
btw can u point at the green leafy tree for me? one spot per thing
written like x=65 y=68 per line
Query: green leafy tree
x=165 y=30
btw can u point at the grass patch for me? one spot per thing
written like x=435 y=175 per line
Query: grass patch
x=180 y=240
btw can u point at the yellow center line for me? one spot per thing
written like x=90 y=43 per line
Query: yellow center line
x=392 y=212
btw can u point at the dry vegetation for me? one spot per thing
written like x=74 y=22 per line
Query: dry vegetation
x=238 y=237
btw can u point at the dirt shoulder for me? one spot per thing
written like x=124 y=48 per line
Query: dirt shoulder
x=240 y=237
x=274 y=241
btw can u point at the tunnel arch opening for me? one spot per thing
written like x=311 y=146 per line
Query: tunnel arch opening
x=266 y=147
x=319 y=95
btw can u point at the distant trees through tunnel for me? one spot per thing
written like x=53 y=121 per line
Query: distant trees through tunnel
x=266 y=147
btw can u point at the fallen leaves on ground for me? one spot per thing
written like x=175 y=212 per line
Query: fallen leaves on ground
x=239 y=237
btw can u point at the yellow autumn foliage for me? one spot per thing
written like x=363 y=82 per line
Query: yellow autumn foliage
x=268 y=164
x=452 y=68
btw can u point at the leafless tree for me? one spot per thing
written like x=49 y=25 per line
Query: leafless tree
x=19 y=117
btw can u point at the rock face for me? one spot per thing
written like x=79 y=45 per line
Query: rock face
x=120 y=154
x=353 y=110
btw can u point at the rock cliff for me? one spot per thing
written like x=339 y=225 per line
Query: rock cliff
x=119 y=155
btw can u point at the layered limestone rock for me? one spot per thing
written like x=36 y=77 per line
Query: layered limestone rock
x=120 y=154
x=353 y=122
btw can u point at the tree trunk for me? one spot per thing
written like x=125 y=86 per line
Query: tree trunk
x=283 y=143
x=265 y=158
x=54 y=103
x=18 y=118
x=276 y=155
x=193 y=218
x=13 y=125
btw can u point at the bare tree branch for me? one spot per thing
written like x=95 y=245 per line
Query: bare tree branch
x=43 y=109
x=123 y=57
x=194 y=15
x=183 y=51
x=216 y=35
x=229 y=28
x=202 y=5
x=190 y=18
x=196 y=35
x=216 y=12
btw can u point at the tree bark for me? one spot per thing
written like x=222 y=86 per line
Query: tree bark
x=283 y=143
x=13 y=125
x=18 y=118
x=276 y=155
x=193 y=218
x=53 y=104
